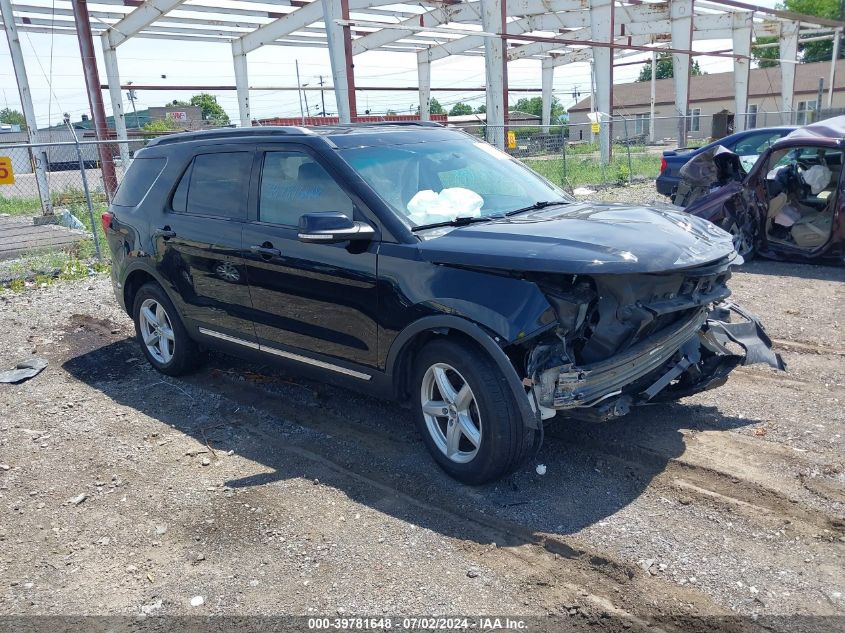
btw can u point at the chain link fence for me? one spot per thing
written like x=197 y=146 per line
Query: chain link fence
x=52 y=196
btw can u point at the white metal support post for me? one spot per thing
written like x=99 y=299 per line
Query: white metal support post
x=424 y=82
x=116 y=96
x=241 y=82
x=337 y=56
x=38 y=156
x=680 y=17
x=494 y=54
x=741 y=30
x=788 y=57
x=601 y=23
x=653 y=97
x=548 y=77
x=837 y=42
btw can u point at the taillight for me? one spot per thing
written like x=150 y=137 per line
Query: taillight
x=662 y=165
x=106 y=219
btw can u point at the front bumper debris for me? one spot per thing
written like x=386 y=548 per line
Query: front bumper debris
x=695 y=356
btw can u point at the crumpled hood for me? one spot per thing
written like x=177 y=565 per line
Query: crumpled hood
x=582 y=237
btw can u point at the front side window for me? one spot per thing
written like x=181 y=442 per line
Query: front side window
x=293 y=184
x=426 y=183
x=216 y=185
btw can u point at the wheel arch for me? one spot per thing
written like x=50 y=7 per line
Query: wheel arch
x=136 y=277
x=414 y=337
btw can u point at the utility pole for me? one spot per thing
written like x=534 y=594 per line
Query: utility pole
x=819 y=97
x=305 y=96
x=837 y=42
x=299 y=90
x=95 y=95
x=132 y=95
x=322 y=95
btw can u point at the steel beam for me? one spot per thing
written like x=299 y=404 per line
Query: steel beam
x=548 y=80
x=788 y=57
x=601 y=20
x=424 y=83
x=343 y=80
x=241 y=83
x=681 y=12
x=95 y=94
x=742 y=21
x=494 y=60
x=116 y=95
x=653 y=97
x=38 y=156
x=139 y=19
x=837 y=42
x=435 y=17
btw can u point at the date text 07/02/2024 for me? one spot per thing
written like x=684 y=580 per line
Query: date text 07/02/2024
x=419 y=624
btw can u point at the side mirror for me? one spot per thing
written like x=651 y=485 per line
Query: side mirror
x=327 y=228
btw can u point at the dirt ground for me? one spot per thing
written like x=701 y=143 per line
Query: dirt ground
x=266 y=494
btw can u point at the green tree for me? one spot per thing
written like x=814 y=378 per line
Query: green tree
x=159 y=126
x=460 y=109
x=435 y=108
x=211 y=110
x=767 y=57
x=482 y=109
x=665 y=70
x=13 y=117
x=534 y=106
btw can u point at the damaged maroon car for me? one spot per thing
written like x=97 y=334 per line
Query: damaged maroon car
x=791 y=204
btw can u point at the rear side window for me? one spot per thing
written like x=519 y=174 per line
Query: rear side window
x=139 y=179
x=215 y=184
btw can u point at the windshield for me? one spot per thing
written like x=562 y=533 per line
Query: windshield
x=429 y=183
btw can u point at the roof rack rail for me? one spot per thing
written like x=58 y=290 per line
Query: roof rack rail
x=238 y=132
x=385 y=123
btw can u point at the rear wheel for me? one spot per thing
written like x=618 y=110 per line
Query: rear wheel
x=160 y=332
x=467 y=413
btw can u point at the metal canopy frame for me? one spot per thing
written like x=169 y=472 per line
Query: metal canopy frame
x=552 y=32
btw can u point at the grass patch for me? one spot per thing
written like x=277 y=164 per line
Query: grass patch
x=19 y=206
x=61 y=198
x=581 y=170
x=40 y=267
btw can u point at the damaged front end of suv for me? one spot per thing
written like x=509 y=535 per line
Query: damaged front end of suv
x=625 y=340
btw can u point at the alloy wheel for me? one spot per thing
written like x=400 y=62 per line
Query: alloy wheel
x=157 y=331
x=451 y=413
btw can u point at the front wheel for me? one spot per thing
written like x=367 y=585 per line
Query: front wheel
x=743 y=236
x=467 y=414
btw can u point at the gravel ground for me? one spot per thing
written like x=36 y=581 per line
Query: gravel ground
x=636 y=193
x=264 y=493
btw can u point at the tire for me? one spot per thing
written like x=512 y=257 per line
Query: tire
x=167 y=347
x=744 y=244
x=494 y=440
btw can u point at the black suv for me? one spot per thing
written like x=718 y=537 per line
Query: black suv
x=417 y=263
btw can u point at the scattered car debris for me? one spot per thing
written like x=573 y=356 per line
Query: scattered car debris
x=24 y=370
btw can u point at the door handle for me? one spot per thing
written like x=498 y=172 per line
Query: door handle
x=265 y=251
x=164 y=232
